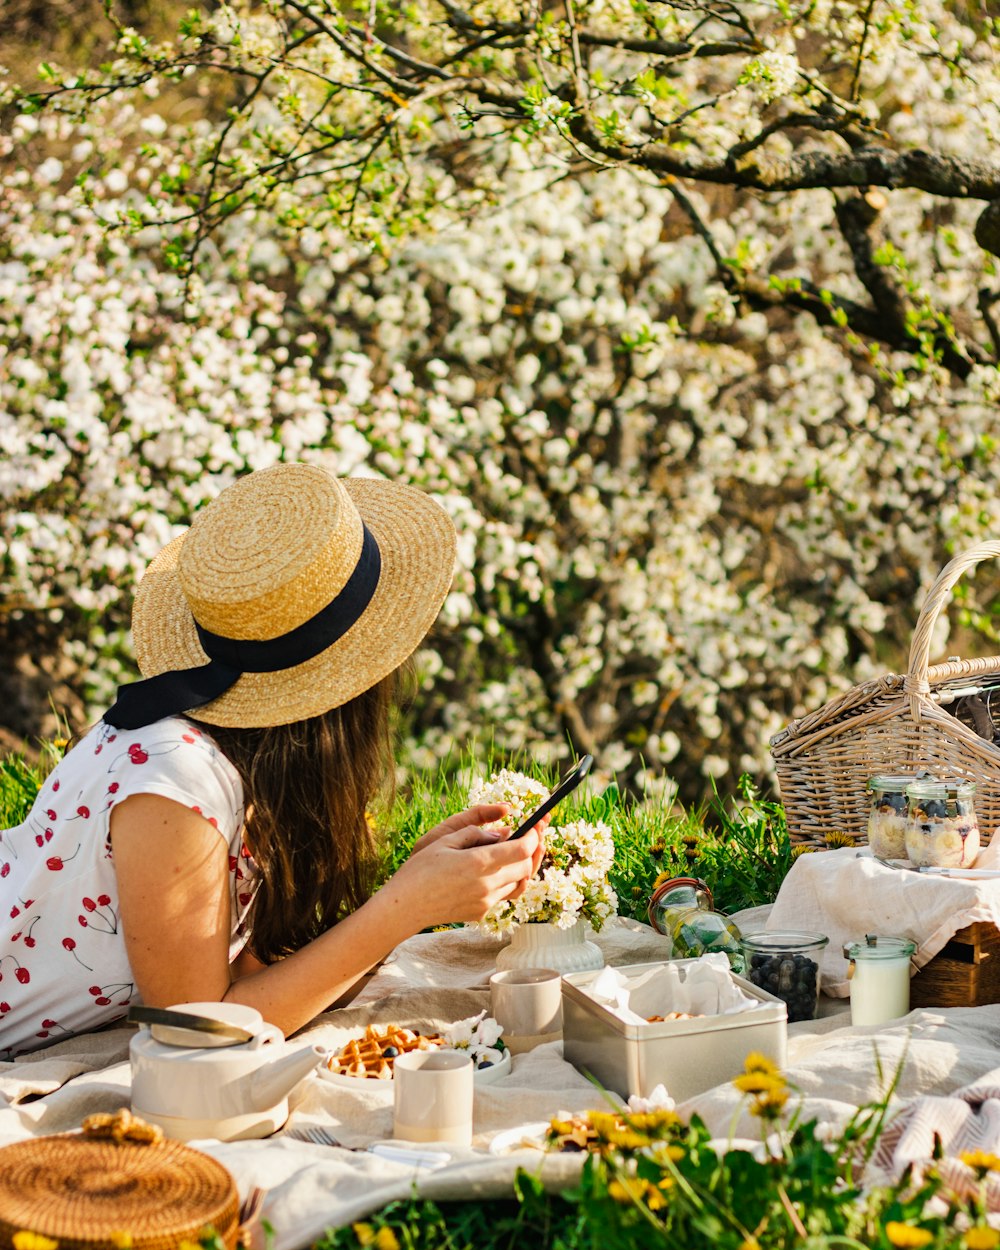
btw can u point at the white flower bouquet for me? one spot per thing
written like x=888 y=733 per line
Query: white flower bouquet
x=572 y=880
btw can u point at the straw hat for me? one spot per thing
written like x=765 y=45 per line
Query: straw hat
x=288 y=557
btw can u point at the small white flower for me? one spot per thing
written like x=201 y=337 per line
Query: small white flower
x=658 y=1100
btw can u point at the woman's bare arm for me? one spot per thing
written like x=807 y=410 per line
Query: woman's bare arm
x=172 y=870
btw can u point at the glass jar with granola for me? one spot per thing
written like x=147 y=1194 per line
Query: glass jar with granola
x=942 y=830
x=888 y=814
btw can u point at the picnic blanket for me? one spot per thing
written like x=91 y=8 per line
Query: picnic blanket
x=435 y=979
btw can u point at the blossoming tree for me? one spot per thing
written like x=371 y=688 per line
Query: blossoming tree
x=685 y=311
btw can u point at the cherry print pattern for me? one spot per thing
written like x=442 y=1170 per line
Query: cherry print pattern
x=64 y=968
x=69 y=944
x=102 y=994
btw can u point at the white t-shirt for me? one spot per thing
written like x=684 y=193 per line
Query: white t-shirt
x=63 y=966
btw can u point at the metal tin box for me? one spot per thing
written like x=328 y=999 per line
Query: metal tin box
x=686 y=1056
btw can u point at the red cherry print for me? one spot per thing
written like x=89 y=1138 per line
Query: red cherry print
x=196 y=808
x=99 y=748
x=49 y=1024
x=39 y=840
x=82 y=920
x=4 y=1008
x=55 y=786
x=5 y=870
x=112 y=737
x=104 y=900
x=23 y=975
x=83 y=811
x=69 y=943
x=51 y=814
x=187 y=738
x=89 y=904
x=54 y=864
x=136 y=754
x=44 y=1033
x=213 y=822
x=15 y=936
x=113 y=788
x=232 y=863
x=29 y=941
x=15 y=912
x=27 y=903
x=102 y=1001
x=48 y=835
x=245 y=899
x=95 y=990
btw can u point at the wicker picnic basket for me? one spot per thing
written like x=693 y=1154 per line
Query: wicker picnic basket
x=895 y=724
x=98 y=1193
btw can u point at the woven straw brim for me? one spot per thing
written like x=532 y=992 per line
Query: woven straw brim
x=416 y=538
x=85 y=1194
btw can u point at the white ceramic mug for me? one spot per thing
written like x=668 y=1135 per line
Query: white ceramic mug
x=432 y=1096
x=527 y=1003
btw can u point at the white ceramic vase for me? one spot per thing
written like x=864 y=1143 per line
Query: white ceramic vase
x=541 y=944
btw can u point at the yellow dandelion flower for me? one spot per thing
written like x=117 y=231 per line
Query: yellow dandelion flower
x=386 y=1239
x=652 y=1122
x=769 y=1105
x=756 y=1062
x=603 y=1122
x=619 y=1191
x=25 y=1240
x=365 y=1233
x=758 y=1083
x=749 y=1243
x=906 y=1237
x=626 y=1190
x=803 y=850
x=840 y=839
x=981 y=1161
x=981 y=1238
x=121 y=1239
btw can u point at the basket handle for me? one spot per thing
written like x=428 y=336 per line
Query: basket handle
x=916 y=685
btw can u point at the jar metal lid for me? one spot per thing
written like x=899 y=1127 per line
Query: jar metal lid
x=880 y=948
x=892 y=781
x=941 y=788
x=678 y=892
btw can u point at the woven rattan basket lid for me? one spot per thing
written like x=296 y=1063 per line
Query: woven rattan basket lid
x=88 y=1193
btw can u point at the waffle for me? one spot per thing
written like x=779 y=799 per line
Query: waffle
x=372 y=1055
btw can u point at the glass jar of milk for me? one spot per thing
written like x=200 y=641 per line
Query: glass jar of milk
x=879 y=975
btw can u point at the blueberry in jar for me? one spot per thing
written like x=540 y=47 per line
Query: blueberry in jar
x=787 y=973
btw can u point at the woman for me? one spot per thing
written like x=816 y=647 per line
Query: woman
x=208 y=839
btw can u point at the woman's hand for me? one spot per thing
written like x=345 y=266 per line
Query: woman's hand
x=459 y=871
x=481 y=814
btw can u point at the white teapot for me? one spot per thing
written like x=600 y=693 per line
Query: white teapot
x=214 y=1070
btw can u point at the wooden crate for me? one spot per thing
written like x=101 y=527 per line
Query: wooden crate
x=965 y=973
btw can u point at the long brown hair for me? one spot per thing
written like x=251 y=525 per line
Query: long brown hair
x=309 y=788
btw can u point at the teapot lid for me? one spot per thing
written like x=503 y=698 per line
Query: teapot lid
x=198 y=1025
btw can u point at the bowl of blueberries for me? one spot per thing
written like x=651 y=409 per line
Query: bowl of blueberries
x=786 y=964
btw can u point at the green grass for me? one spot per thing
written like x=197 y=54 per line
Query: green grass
x=739 y=846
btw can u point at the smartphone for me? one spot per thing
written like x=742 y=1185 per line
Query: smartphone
x=566 y=786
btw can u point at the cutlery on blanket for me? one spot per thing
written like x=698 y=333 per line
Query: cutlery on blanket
x=186 y=1020
x=981 y=874
x=317 y=1135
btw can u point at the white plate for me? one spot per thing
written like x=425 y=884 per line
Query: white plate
x=524 y=1137
x=481 y=1076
